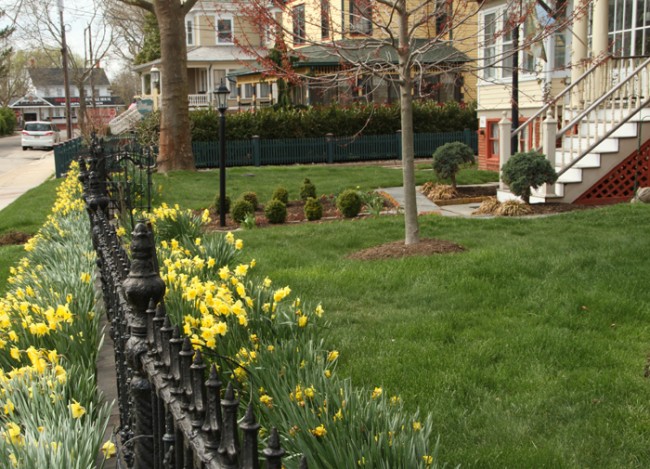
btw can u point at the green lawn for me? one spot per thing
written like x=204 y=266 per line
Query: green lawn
x=529 y=348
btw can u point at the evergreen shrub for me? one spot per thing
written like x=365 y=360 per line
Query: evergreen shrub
x=240 y=209
x=307 y=190
x=313 y=209
x=525 y=171
x=349 y=203
x=217 y=203
x=281 y=194
x=275 y=211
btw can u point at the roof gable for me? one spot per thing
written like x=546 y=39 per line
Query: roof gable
x=48 y=77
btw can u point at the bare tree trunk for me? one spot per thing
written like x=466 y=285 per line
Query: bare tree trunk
x=175 y=151
x=411 y=227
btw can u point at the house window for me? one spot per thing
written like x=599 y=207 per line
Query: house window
x=265 y=90
x=190 y=32
x=360 y=17
x=442 y=16
x=224 y=31
x=493 y=137
x=489 y=45
x=325 y=18
x=299 y=24
x=629 y=27
x=249 y=90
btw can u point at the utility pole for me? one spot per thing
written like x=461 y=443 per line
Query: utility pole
x=66 y=81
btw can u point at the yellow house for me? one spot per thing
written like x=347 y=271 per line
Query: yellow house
x=346 y=51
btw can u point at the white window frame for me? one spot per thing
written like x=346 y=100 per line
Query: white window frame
x=232 y=29
x=499 y=72
x=189 y=31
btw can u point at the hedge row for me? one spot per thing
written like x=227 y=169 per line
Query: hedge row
x=7 y=121
x=269 y=123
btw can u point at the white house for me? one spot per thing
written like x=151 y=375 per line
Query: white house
x=45 y=99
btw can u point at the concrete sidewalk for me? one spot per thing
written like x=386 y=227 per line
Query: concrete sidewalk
x=16 y=182
x=426 y=206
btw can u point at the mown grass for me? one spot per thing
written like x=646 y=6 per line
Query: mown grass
x=197 y=190
x=26 y=214
x=529 y=348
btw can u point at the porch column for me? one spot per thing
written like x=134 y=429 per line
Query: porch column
x=578 y=52
x=505 y=129
x=600 y=40
x=549 y=136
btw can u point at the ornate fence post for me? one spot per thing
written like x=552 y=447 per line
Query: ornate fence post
x=142 y=285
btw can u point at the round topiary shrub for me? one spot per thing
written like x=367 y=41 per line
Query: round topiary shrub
x=313 y=209
x=276 y=211
x=252 y=198
x=448 y=158
x=281 y=194
x=349 y=203
x=524 y=171
x=240 y=209
x=217 y=203
x=307 y=190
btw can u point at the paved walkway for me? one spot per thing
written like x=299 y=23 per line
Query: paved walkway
x=426 y=206
x=19 y=180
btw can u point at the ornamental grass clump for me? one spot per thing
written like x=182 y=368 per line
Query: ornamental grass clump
x=435 y=191
x=272 y=344
x=513 y=208
x=52 y=412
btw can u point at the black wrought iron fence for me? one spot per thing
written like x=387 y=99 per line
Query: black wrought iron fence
x=173 y=411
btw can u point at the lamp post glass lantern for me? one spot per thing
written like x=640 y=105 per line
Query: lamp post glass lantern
x=221 y=94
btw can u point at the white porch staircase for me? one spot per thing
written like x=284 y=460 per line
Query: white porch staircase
x=127 y=120
x=597 y=137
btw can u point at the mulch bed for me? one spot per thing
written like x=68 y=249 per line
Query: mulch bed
x=14 y=237
x=398 y=249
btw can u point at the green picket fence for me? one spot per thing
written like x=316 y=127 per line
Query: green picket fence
x=262 y=152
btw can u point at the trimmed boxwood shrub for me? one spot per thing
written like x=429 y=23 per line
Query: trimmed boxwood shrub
x=313 y=209
x=217 y=205
x=349 y=203
x=307 y=190
x=524 y=171
x=275 y=211
x=240 y=209
x=252 y=198
x=281 y=194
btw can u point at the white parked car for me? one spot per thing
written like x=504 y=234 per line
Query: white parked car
x=40 y=134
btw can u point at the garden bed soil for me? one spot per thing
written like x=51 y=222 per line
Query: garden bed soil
x=14 y=237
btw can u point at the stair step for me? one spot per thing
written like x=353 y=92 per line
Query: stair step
x=591 y=160
x=627 y=130
x=609 y=145
x=573 y=175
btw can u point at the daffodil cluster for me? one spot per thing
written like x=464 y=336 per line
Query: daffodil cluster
x=272 y=343
x=49 y=409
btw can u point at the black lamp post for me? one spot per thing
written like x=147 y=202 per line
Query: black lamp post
x=221 y=94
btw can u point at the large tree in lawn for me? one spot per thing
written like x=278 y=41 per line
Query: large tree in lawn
x=175 y=146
